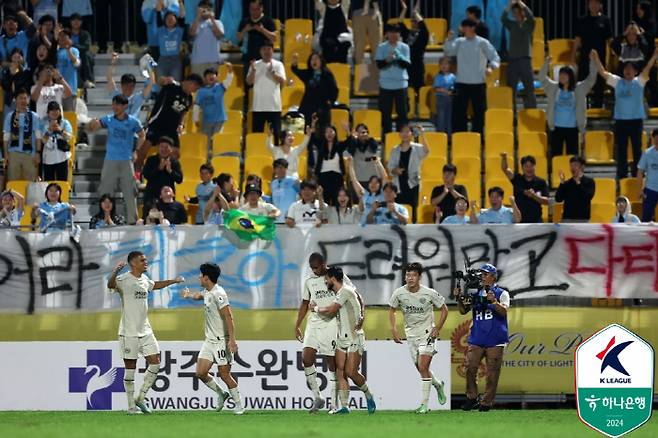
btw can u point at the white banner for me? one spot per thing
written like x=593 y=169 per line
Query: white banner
x=586 y=260
x=270 y=376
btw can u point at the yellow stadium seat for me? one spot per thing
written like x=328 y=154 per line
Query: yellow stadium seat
x=468 y=168
x=72 y=117
x=438 y=144
x=602 y=212
x=188 y=187
x=341 y=74
x=238 y=75
x=259 y=165
x=230 y=165
x=277 y=29
x=225 y=143
x=431 y=167
x=366 y=80
x=344 y=94
x=541 y=168
x=499 y=97
x=532 y=143
x=291 y=96
x=233 y=124
x=391 y=140
x=465 y=144
x=437 y=28
x=499 y=120
x=504 y=184
x=292 y=80
x=194 y=145
x=338 y=118
x=560 y=50
x=538 y=33
x=190 y=166
x=629 y=153
x=497 y=142
x=234 y=98
x=606 y=190
x=495 y=76
x=425 y=214
x=372 y=118
x=538 y=54
x=256 y=145
x=560 y=163
x=473 y=189
x=532 y=120
x=558 y=209
x=426 y=187
x=298 y=38
x=599 y=113
x=426 y=102
x=19 y=186
x=653 y=112
x=431 y=70
x=599 y=147
x=629 y=187
x=492 y=168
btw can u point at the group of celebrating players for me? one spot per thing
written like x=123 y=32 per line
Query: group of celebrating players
x=333 y=330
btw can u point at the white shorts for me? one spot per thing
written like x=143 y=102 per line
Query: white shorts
x=134 y=346
x=322 y=340
x=216 y=351
x=418 y=346
x=353 y=344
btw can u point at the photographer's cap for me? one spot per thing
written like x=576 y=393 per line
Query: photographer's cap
x=489 y=268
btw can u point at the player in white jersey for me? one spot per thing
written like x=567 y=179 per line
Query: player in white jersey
x=135 y=333
x=348 y=305
x=220 y=345
x=320 y=334
x=417 y=303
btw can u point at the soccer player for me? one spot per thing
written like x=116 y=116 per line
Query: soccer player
x=348 y=305
x=135 y=333
x=417 y=303
x=220 y=345
x=321 y=331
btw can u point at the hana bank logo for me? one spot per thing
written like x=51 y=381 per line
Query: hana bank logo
x=98 y=380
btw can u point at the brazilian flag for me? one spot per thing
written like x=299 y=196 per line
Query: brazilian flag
x=249 y=227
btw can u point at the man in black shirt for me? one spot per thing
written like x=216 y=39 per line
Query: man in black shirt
x=166 y=118
x=258 y=29
x=576 y=192
x=474 y=13
x=445 y=197
x=593 y=32
x=530 y=191
x=161 y=170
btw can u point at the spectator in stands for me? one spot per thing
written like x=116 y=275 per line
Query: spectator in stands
x=41 y=55
x=173 y=211
x=497 y=213
x=82 y=41
x=166 y=118
x=267 y=75
x=623 y=214
x=127 y=87
x=57 y=136
x=12 y=208
x=444 y=90
x=306 y=211
x=417 y=39
x=593 y=32
x=445 y=196
x=474 y=13
x=530 y=191
x=210 y=100
x=333 y=15
x=50 y=87
x=648 y=167
x=226 y=186
x=344 y=213
x=472 y=54
x=629 y=111
x=22 y=140
x=364 y=153
x=68 y=63
x=631 y=47
x=153 y=12
x=107 y=216
x=329 y=166
x=404 y=164
x=519 y=62
x=367 y=26
x=255 y=32
x=118 y=164
x=460 y=217
x=12 y=37
x=213 y=212
x=566 y=112
x=285 y=188
x=393 y=60
x=15 y=76
x=80 y=7
x=288 y=152
x=207 y=32
x=204 y=191
x=320 y=89
x=161 y=170
x=388 y=212
x=45 y=34
x=576 y=192
x=170 y=38
x=53 y=214
x=369 y=191
x=255 y=205
x=41 y=8
x=110 y=14
x=645 y=20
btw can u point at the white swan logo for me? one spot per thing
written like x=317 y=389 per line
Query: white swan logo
x=98 y=381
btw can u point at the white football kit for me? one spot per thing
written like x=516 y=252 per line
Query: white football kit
x=215 y=347
x=350 y=340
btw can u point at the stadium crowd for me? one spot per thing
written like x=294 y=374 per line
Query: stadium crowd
x=280 y=125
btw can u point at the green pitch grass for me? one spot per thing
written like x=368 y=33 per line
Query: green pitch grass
x=498 y=423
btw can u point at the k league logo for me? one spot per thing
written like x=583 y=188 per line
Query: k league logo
x=98 y=380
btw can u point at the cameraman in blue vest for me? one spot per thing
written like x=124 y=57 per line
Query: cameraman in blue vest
x=489 y=335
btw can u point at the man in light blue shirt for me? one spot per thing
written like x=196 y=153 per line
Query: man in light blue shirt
x=13 y=38
x=128 y=84
x=118 y=170
x=207 y=32
x=473 y=53
x=648 y=166
x=389 y=213
x=393 y=59
x=285 y=189
x=22 y=140
x=498 y=213
x=68 y=63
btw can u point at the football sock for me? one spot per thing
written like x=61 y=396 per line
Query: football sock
x=344 y=397
x=212 y=384
x=366 y=390
x=333 y=389
x=235 y=394
x=129 y=385
x=427 y=384
x=312 y=381
x=435 y=382
x=149 y=379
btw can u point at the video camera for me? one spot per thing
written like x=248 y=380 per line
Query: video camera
x=472 y=279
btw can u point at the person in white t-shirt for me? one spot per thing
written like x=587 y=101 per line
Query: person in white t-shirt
x=135 y=333
x=220 y=344
x=207 y=32
x=266 y=75
x=306 y=211
x=255 y=205
x=50 y=87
